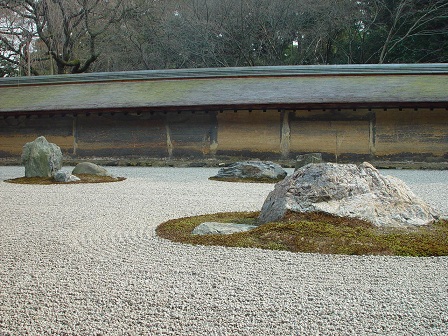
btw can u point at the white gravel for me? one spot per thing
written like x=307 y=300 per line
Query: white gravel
x=84 y=260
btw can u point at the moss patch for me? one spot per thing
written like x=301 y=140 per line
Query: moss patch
x=84 y=178
x=245 y=180
x=315 y=233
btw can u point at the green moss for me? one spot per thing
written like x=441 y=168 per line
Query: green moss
x=84 y=178
x=315 y=233
x=192 y=92
x=245 y=180
x=92 y=95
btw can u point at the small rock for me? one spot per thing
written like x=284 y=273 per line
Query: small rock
x=304 y=159
x=90 y=169
x=252 y=170
x=220 y=228
x=65 y=176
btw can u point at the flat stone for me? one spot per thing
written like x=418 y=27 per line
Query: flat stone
x=252 y=170
x=220 y=228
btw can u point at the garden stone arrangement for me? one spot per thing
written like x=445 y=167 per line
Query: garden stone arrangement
x=347 y=190
x=43 y=162
x=84 y=259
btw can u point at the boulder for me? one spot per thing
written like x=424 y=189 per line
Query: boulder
x=256 y=170
x=65 y=176
x=304 y=159
x=41 y=158
x=220 y=228
x=347 y=190
x=90 y=169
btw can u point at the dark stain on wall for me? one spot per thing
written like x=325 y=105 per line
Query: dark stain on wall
x=121 y=135
x=409 y=131
x=16 y=132
x=341 y=135
x=189 y=133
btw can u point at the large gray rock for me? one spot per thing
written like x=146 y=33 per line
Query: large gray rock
x=90 y=169
x=347 y=190
x=41 y=158
x=65 y=176
x=220 y=228
x=252 y=170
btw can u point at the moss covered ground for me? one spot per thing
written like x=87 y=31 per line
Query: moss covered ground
x=245 y=180
x=315 y=233
x=84 y=178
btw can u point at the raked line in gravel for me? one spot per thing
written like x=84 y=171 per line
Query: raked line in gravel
x=84 y=260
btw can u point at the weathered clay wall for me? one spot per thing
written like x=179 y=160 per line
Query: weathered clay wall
x=148 y=135
x=251 y=133
x=14 y=133
x=334 y=133
x=190 y=134
x=120 y=135
x=347 y=135
x=412 y=133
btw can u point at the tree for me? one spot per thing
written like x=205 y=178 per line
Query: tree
x=7 y=69
x=405 y=30
x=69 y=30
x=243 y=32
x=16 y=36
x=37 y=36
x=325 y=31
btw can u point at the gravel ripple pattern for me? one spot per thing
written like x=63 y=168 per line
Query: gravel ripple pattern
x=84 y=260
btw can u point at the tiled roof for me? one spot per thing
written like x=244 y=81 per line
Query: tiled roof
x=230 y=88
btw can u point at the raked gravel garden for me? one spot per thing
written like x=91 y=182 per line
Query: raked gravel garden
x=84 y=259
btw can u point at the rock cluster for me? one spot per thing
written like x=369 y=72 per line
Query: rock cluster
x=347 y=190
x=41 y=158
x=44 y=159
x=254 y=170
